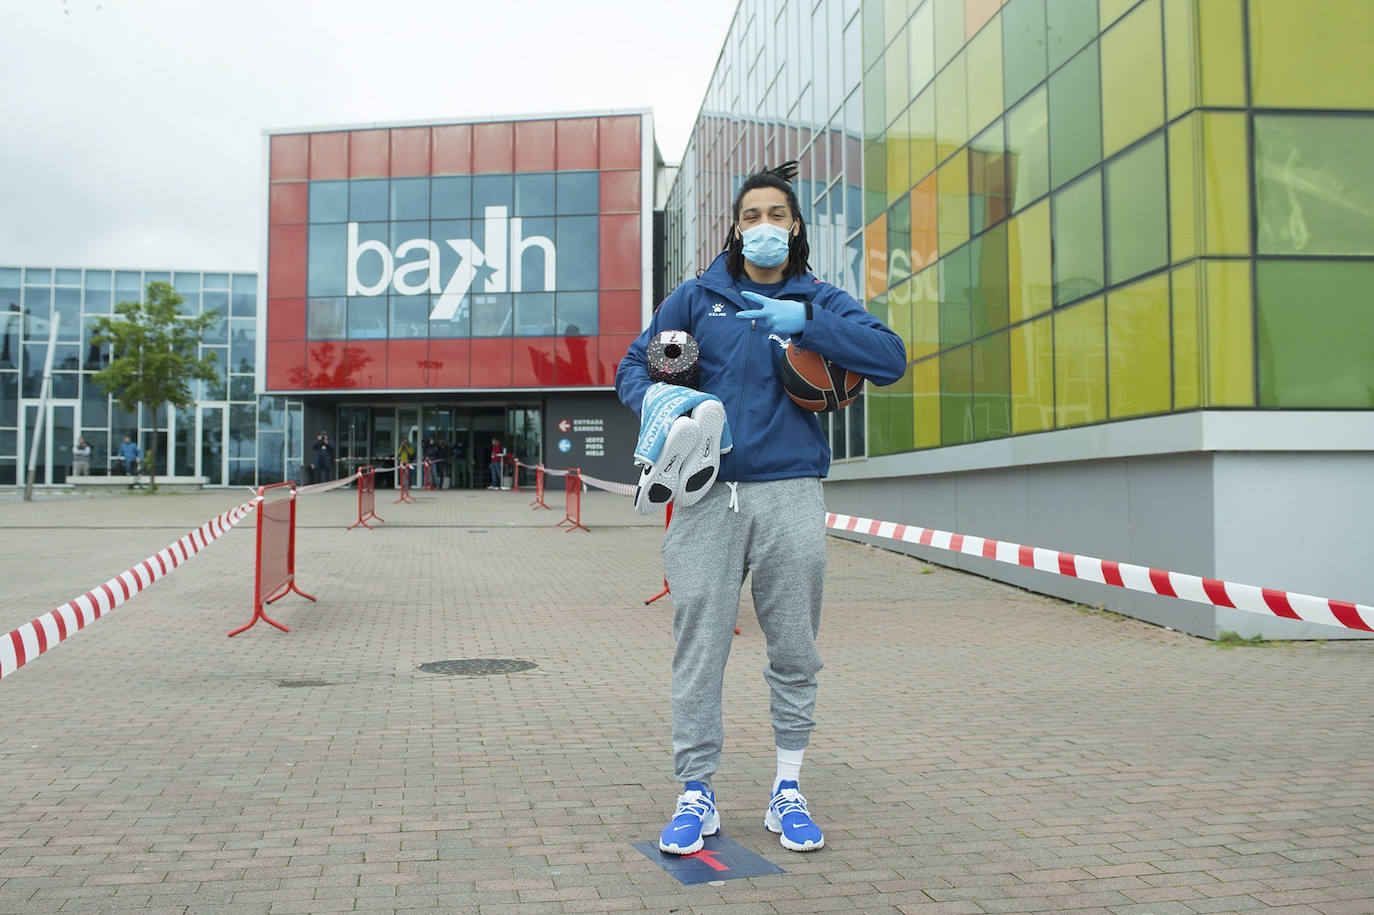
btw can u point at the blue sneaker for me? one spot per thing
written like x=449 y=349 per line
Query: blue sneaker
x=694 y=819
x=787 y=815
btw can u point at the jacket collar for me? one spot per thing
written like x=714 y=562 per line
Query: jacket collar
x=717 y=278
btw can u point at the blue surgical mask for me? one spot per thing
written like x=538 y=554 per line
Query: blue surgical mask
x=765 y=245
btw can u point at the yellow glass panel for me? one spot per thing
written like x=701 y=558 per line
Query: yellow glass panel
x=1184 y=213
x=1312 y=54
x=985 y=77
x=1032 y=376
x=1029 y=276
x=1180 y=61
x=951 y=106
x=1108 y=11
x=1225 y=184
x=949 y=30
x=1138 y=348
x=925 y=224
x=895 y=73
x=952 y=184
x=1080 y=364
x=875 y=255
x=1228 y=334
x=899 y=305
x=895 y=13
x=1221 y=51
x=925 y=401
x=1132 y=78
x=922 y=124
x=925 y=314
x=1187 y=332
x=899 y=158
x=977 y=13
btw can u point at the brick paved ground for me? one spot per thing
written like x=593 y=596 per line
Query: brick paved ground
x=981 y=749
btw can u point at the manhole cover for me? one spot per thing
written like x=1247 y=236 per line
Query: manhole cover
x=477 y=667
x=305 y=683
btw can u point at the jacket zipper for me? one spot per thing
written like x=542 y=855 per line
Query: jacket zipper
x=744 y=379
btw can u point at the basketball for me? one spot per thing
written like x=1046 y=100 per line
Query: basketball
x=815 y=383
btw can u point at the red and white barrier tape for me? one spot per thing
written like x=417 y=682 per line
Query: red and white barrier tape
x=1268 y=601
x=622 y=489
x=548 y=471
x=35 y=637
x=325 y=487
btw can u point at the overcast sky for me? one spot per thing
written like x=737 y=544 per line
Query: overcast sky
x=131 y=130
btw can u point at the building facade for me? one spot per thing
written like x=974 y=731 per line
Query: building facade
x=231 y=437
x=1128 y=244
x=447 y=283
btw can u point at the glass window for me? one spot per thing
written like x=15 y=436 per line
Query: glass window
x=1315 y=325
x=240 y=387
x=37 y=312
x=9 y=398
x=97 y=301
x=367 y=317
x=535 y=194
x=956 y=297
x=533 y=314
x=367 y=200
x=1183 y=195
x=1137 y=212
x=898 y=255
x=895 y=66
x=577 y=243
x=1031 y=359
x=992 y=387
x=533 y=255
x=245 y=295
x=1138 y=348
x=324 y=319
x=95 y=407
x=67 y=303
x=1221 y=53
x=92 y=357
x=987 y=179
x=1229 y=331
x=1080 y=364
x=409 y=317
x=951 y=107
x=1023 y=47
x=1029 y=283
x=95 y=279
x=9 y=298
x=1069 y=25
x=898 y=161
x=985 y=77
x=218 y=331
x=186 y=282
x=1028 y=152
x=1315 y=189
x=328 y=259
x=37 y=276
x=921 y=48
x=952 y=186
x=949 y=29
x=410 y=198
x=329 y=201
x=157 y=276
x=491 y=315
x=577 y=192
x=9 y=276
x=1077 y=239
x=1311 y=55
x=921 y=119
x=242 y=348
x=214 y=280
x=9 y=340
x=216 y=301
x=956 y=396
x=1225 y=183
x=875 y=177
x=988 y=266
x=1132 y=78
x=491 y=191
x=128 y=286
x=456 y=326
x=875 y=255
x=1075 y=109
x=1186 y=331
x=451 y=198
x=925 y=226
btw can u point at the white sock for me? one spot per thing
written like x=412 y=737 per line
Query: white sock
x=789 y=767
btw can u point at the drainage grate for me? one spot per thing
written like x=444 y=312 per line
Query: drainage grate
x=305 y=683
x=477 y=667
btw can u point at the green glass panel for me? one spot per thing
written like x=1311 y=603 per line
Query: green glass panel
x=1023 y=47
x=988 y=270
x=984 y=64
x=987 y=173
x=949 y=29
x=951 y=107
x=955 y=297
x=1075 y=117
x=874 y=39
x=956 y=396
x=1137 y=212
x=1069 y=25
x=992 y=387
x=875 y=103
x=875 y=179
x=895 y=78
x=1132 y=62
x=1077 y=236
x=1315 y=325
x=899 y=241
x=921 y=48
x=1314 y=184
x=1028 y=150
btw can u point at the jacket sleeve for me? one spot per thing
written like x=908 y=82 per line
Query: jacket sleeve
x=842 y=331
x=632 y=375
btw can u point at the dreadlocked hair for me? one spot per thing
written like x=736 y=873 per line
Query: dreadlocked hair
x=798 y=250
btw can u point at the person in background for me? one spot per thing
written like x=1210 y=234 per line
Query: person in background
x=497 y=459
x=462 y=473
x=324 y=458
x=406 y=455
x=131 y=454
x=81 y=458
x=440 y=461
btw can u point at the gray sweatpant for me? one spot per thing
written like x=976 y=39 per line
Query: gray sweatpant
x=778 y=534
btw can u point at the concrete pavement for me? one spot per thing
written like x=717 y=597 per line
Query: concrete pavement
x=980 y=749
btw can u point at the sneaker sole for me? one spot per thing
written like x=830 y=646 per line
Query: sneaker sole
x=709 y=830
x=703 y=463
x=659 y=482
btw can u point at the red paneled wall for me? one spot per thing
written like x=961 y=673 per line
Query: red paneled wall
x=611 y=144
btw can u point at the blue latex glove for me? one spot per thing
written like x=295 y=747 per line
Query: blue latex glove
x=784 y=316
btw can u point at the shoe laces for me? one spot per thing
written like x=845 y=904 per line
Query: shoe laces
x=790 y=800
x=695 y=803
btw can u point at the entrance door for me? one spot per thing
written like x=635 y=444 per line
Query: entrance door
x=384 y=444
x=212 y=458
x=55 y=454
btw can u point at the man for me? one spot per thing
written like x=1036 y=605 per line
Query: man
x=131 y=454
x=498 y=459
x=81 y=458
x=324 y=458
x=406 y=455
x=768 y=518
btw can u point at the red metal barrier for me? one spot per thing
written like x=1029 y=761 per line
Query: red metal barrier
x=428 y=481
x=403 y=483
x=274 y=572
x=572 y=512
x=514 y=473
x=538 y=487
x=666 y=521
x=367 y=497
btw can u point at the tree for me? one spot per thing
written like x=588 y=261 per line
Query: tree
x=154 y=356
